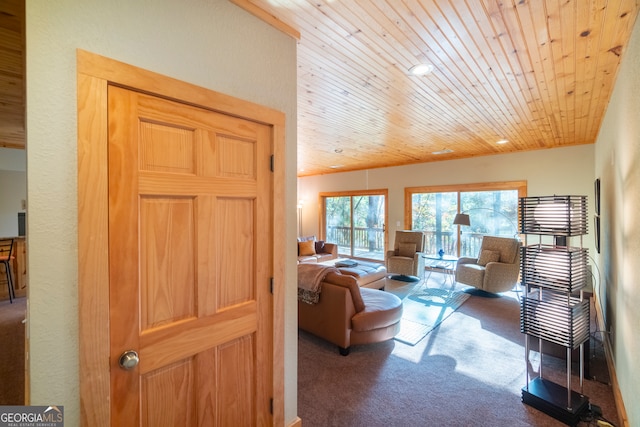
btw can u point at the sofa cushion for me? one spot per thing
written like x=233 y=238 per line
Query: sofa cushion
x=509 y=249
x=350 y=283
x=487 y=256
x=319 y=245
x=381 y=309
x=406 y=249
x=323 y=257
x=306 y=248
x=367 y=273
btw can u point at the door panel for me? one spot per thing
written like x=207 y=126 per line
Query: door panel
x=167 y=255
x=234 y=262
x=168 y=395
x=236 y=399
x=189 y=207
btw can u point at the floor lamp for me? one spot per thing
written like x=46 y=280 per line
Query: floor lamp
x=300 y=203
x=551 y=275
x=463 y=218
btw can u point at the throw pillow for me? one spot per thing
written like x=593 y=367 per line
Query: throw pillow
x=306 y=248
x=487 y=256
x=406 y=249
x=320 y=246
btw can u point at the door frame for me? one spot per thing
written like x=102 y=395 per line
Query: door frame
x=95 y=74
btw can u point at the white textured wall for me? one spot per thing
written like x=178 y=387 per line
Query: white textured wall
x=547 y=172
x=618 y=166
x=211 y=43
x=12 y=159
x=13 y=190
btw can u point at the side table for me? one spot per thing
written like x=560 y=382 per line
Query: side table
x=445 y=263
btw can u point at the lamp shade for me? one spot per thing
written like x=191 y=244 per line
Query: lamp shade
x=553 y=267
x=554 y=215
x=461 y=219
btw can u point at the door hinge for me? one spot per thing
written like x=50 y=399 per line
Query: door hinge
x=272 y=160
x=271 y=406
x=271 y=285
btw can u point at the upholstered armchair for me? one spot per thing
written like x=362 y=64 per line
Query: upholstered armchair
x=405 y=262
x=497 y=267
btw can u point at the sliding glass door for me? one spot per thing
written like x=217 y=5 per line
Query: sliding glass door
x=491 y=213
x=492 y=210
x=434 y=213
x=356 y=222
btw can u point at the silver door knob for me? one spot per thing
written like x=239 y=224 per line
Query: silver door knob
x=129 y=360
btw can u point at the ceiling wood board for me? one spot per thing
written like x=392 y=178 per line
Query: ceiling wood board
x=12 y=76
x=537 y=73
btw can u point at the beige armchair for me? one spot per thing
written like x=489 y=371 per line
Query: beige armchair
x=497 y=267
x=405 y=262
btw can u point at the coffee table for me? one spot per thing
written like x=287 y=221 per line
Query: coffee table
x=443 y=263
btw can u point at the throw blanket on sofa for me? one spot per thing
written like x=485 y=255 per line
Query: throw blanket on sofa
x=309 y=278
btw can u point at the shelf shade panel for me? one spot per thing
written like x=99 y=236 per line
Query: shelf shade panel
x=554 y=215
x=555 y=317
x=554 y=267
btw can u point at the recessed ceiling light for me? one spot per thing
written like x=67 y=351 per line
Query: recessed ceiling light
x=421 y=69
x=335 y=166
x=502 y=141
x=445 y=151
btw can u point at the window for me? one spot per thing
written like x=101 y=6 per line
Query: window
x=492 y=210
x=355 y=221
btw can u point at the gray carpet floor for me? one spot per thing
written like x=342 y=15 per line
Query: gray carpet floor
x=469 y=371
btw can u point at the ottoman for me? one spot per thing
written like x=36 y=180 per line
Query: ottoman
x=368 y=274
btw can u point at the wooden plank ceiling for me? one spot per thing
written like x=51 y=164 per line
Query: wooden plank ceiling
x=12 y=89
x=538 y=73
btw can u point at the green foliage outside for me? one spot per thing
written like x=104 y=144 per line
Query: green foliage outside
x=490 y=213
x=364 y=227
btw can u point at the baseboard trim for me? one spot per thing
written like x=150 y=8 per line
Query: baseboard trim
x=622 y=412
x=296 y=423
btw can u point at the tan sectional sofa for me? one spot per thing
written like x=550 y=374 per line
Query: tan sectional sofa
x=347 y=314
x=311 y=250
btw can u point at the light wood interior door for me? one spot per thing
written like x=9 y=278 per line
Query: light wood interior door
x=190 y=214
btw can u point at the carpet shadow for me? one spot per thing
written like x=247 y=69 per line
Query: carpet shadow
x=468 y=371
x=494 y=312
x=480 y=293
x=375 y=386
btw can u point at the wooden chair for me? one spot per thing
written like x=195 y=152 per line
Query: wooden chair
x=6 y=258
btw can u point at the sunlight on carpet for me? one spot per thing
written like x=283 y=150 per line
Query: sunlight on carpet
x=424 y=309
